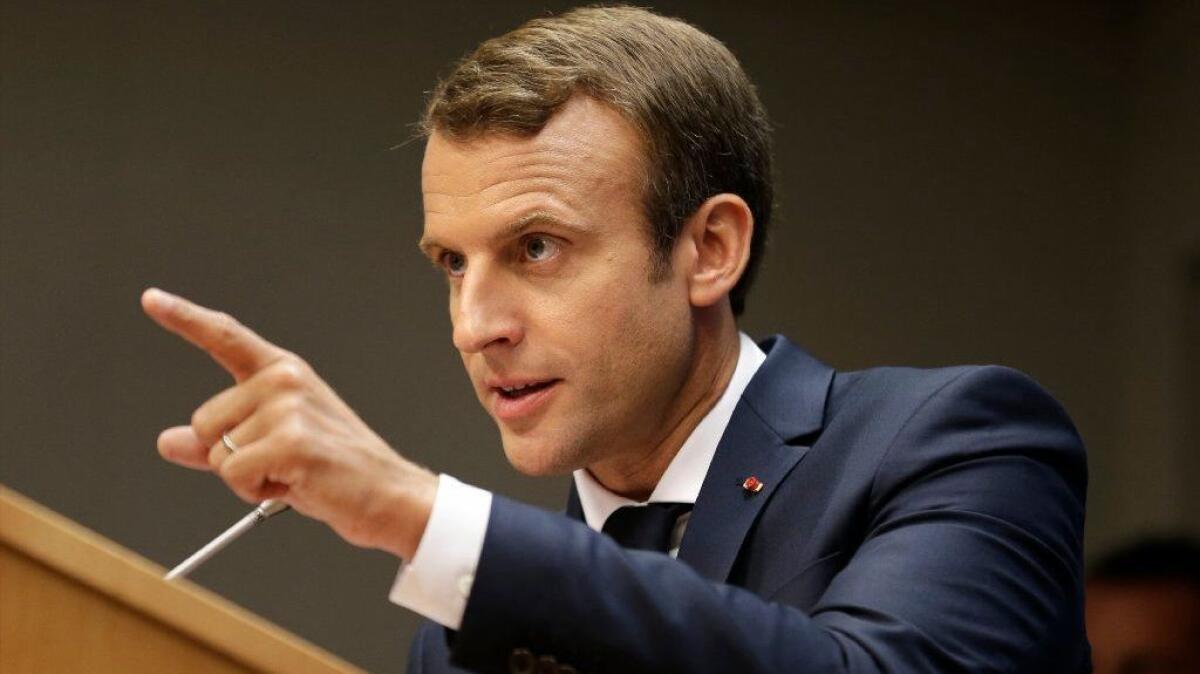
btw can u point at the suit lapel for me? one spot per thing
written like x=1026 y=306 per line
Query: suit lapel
x=574 y=507
x=783 y=405
x=725 y=511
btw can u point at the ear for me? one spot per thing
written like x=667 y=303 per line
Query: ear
x=719 y=233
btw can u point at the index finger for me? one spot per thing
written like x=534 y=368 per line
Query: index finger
x=235 y=347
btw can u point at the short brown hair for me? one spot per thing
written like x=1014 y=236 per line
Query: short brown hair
x=697 y=112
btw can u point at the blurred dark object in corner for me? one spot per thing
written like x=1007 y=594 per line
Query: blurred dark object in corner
x=1143 y=608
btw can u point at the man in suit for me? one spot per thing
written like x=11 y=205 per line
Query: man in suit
x=597 y=191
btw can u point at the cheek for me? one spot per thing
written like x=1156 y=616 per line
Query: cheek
x=613 y=322
x=641 y=328
x=603 y=318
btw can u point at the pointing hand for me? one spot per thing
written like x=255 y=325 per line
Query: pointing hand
x=297 y=440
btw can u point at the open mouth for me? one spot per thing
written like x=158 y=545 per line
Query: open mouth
x=523 y=390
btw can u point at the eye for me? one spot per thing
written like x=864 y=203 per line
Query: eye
x=539 y=248
x=455 y=264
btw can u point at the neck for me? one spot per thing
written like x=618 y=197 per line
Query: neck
x=635 y=474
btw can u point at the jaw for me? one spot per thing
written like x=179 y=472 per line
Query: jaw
x=533 y=455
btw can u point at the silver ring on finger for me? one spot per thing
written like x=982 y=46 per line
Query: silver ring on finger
x=229 y=444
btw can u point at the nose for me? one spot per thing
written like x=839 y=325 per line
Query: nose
x=485 y=311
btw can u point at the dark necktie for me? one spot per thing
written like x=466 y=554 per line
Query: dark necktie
x=645 y=527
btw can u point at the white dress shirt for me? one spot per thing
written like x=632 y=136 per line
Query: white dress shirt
x=437 y=581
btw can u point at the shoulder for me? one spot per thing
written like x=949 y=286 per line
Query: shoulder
x=980 y=398
x=885 y=401
x=894 y=427
x=911 y=387
x=985 y=438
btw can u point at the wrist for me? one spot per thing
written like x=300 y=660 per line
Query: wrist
x=406 y=507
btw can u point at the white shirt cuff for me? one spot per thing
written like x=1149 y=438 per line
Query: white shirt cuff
x=437 y=582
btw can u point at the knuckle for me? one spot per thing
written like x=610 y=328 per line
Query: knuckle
x=284 y=407
x=207 y=421
x=239 y=481
x=200 y=424
x=291 y=434
x=289 y=373
x=227 y=325
x=284 y=354
x=214 y=458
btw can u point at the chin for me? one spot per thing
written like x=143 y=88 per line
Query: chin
x=537 y=459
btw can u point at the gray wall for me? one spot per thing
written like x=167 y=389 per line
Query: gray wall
x=958 y=182
x=1138 y=483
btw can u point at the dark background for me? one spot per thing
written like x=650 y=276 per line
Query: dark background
x=958 y=182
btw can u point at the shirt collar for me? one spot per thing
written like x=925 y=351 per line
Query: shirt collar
x=681 y=481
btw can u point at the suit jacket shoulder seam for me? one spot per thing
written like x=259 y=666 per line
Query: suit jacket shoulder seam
x=916 y=411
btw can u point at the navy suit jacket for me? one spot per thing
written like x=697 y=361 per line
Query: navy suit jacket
x=911 y=521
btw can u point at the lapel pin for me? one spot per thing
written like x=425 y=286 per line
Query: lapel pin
x=752 y=484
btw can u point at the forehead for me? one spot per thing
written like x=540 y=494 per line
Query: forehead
x=587 y=157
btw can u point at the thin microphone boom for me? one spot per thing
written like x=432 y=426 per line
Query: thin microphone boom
x=265 y=510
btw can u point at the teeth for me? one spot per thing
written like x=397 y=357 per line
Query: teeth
x=510 y=389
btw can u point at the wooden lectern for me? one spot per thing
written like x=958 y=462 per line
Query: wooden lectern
x=72 y=601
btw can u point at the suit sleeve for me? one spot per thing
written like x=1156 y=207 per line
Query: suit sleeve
x=971 y=562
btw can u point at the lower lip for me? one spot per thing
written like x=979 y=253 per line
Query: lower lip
x=511 y=409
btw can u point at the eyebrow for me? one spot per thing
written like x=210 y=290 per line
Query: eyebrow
x=514 y=229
